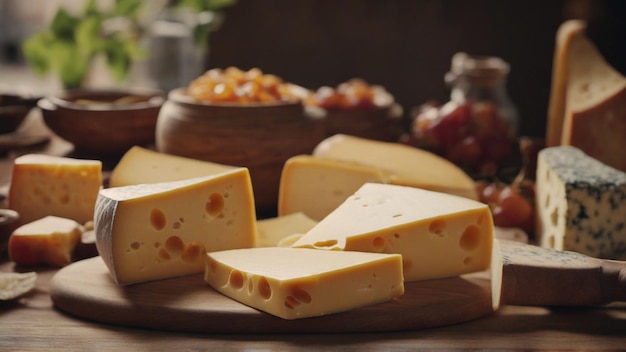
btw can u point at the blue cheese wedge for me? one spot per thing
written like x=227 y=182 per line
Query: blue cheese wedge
x=581 y=204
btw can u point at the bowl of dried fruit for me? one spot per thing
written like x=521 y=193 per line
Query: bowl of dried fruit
x=103 y=122
x=356 y=107
x=240 y=118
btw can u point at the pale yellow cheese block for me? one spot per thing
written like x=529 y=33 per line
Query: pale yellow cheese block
x=49 y=240
x=407 y=166
x=294 y=283
x=594 y=94
x=271 y=232
x=316 y=186
x=438 y=234
x=140 y=165
x=155 y=231
x=43 y=185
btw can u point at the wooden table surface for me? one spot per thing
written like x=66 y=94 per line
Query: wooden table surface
x=32 y=323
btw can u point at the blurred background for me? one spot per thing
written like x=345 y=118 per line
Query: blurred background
x=405 y=46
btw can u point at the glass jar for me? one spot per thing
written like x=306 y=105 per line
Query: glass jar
x=480 y=79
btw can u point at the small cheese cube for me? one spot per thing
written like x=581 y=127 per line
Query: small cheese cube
x=49 y=240
x=43 y=185
x=272 y=231
x=140 y=165
x=316 y=186
x=160 y=230
x=581 y=204
x=296 y=283
x=438 y=234
x=407 y=166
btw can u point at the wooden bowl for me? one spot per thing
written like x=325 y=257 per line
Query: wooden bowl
x=259 y=136
x=380 y=123
x=13 y=110
x=8 y=223
x=103 y=122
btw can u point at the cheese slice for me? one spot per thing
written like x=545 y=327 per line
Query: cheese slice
x=140 y=165
x=271 y=231
x=316 y=186
x=160 y=230
x=49 y=240
x=594 y=116
x=437 y=234
x=43 y=185
x=581 y=204
x=298 y=283
x=407 y=166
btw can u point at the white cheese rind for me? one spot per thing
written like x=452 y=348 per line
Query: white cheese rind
x=155 y=231
x=437 y=234
x=581 y=204
x=294 y=283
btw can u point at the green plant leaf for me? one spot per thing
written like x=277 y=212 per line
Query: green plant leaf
x=128 y=8
x=36 y=53
x=87 y=36
x=67 y=61
x=205 y=5
x=63 y=24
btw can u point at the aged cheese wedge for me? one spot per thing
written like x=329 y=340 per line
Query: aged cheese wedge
x=160 y=230
x=296 y=283
x=49 y=240
x=437 y=234
x=271 y=231
x=43 y=185
x=594 y=116
x=316 y=186
x=581 y=204
x=408 y=166
x=140 y=165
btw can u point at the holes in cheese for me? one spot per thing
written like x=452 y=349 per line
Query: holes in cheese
x=155 y=231
x=267 y=279
x=438 y=234
x=44 y=185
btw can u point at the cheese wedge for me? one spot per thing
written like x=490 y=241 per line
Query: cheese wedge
x=272 y=231
x=49 y=240
x=43 y=185
x=407 y=166
x=316 y=186
x=437 y=234
x=581 y=204
x=295 y=283
x=140 y=165
x=594 y=118
x=155 y=231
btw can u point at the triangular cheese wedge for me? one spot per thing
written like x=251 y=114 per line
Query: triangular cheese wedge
x=437 y=234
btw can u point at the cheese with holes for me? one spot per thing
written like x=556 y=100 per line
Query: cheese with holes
x=272 y=231
x=437 y=234
x=316 y=186
x=140 y=165
x=407 y=166
x=50 y=240
x=43 y=185
x=589 y=97
x=581 y=204
x=294 y=283
x=155 y=231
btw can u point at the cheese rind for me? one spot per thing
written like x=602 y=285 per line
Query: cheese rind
x=437 y=234
x=407 y=166
x=294 y=283
x=140 y=165
x=271 y=232
x=43 y=185
x=316 y=186
x=49 y=240
x=581 y=204
x=155 y=231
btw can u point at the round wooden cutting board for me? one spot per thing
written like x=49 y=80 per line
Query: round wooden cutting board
x=86 y=290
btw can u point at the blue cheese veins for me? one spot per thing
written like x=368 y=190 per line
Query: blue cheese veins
x=581 y=204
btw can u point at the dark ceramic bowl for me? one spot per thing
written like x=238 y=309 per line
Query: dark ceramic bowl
x=103 y=122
